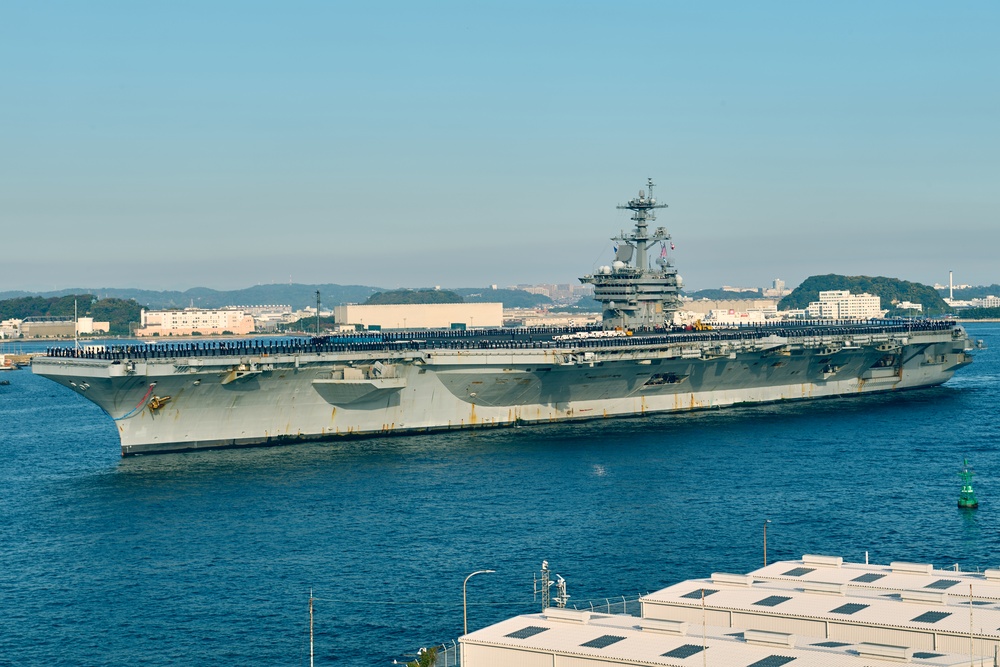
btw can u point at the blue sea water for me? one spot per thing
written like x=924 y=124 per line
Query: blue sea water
x=209 y=557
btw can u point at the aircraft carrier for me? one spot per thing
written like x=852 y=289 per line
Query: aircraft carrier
x=168 y=397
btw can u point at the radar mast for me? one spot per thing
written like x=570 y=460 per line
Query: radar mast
x=632 y=292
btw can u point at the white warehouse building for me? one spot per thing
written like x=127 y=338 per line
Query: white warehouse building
x=421 y=315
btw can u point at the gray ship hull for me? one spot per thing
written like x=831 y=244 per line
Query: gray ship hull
x=182 y=403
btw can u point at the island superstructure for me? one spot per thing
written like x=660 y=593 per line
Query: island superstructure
x=633 y=293
x=179 y=396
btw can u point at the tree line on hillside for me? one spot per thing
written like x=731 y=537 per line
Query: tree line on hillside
x=510 y=298
x=410 y=296
x=298 y=296
x=722 y=295
x=977 y=292
x=891 y=290
x=118 y=312
x=979 y=313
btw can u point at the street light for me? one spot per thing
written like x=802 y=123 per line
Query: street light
x=766 y=521
x=465 y=613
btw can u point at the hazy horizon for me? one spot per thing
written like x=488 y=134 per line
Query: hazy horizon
x=228 y=144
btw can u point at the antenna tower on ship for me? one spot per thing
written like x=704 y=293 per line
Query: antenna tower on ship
x=635 y=291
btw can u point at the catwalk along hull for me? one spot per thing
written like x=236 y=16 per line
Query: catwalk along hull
x=177 y=402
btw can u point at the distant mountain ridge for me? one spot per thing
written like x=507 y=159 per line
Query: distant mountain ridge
x=298 y=296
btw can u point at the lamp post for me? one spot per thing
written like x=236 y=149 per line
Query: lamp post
x=766 y=521
x=465 y=612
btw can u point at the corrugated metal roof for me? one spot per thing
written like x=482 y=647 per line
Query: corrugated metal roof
x=877 y=606
x=884 y=577
x=639 y=647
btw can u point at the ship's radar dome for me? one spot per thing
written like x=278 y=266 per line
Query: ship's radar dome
x=618 y=265
x=680 y=281
x=604 y=270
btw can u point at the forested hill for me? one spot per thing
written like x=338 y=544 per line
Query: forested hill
x=412 y=296
x=511 y=298
x=119 y=312
x=891 y=291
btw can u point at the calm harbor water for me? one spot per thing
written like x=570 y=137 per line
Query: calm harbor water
x=209 y=557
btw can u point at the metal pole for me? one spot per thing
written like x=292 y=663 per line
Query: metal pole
x=766 y=521
x=317 y=312
x=311 y=651
x=465 y=612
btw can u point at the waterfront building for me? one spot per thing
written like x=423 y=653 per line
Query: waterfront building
x=268 y=317
x=706 y=306
x=87 y=326
x=815 y=612
x=192 y=321
x=986 y=302
x=542 y=317
x=421 y=315
x=10 y=328
x=776 y=290
x=48 y=327
x=842 y=305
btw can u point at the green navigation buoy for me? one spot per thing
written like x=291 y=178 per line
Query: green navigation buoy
x=967 y=498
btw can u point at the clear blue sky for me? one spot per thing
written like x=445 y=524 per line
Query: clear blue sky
x=175 y=144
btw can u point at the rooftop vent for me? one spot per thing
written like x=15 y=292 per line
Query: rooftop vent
x=767 y=638
x=911 y=568
x=823 y=587
x=822 y=561
x=732 y=579
x=567 y=615
x=885 y=652
x=932 y=597
x=663 y=626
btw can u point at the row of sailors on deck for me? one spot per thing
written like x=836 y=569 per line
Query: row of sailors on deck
x=478 y=339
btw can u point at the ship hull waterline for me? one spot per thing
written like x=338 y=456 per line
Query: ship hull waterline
x=244 y=401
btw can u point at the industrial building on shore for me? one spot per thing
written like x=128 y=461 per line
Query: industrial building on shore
x=815 y=612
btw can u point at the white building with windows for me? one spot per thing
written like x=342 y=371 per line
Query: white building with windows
x=986 y=302
x=842 y=305
x=195 y=321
